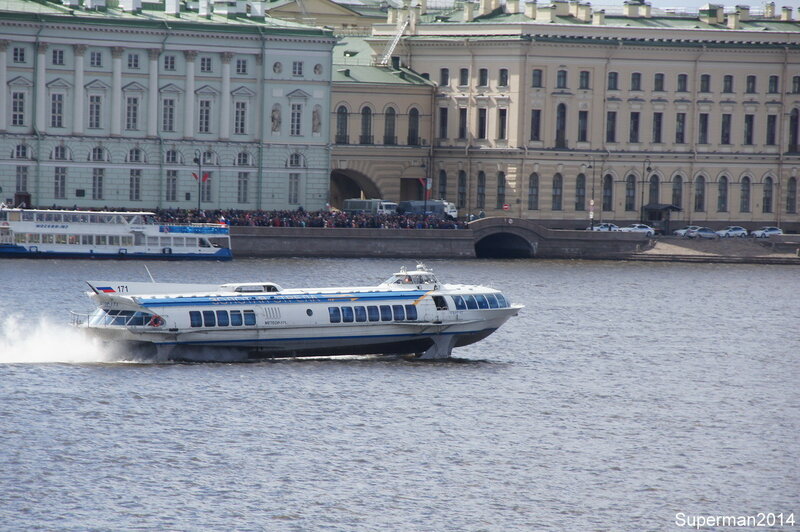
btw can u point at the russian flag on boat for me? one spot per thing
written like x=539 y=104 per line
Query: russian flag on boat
x=106 y=289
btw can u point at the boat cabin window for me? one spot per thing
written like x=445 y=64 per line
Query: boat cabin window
x=386 y=313
x=412 y=278
x=203 y=243
x=459 y=302
x=347 y=314
x=249 y=317
x=3 y=216
x=501 y=300
x=361 y=313
x=221 y=318
x=471 y=303
x=481 y=299
x=236 y=318
x=194 y=318
x=399 y=312
x=120 y=318
x=372 y=313
x=440 y=302
x=255 y=288
x=334 y=314
x=411 y=312
x=209 y=318
x=492 y=300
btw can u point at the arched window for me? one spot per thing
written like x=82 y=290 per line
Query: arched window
x=533 y=192
x=98 y=153
x=172 y=157
x=608 y=192
x=722 y=195
x=791 y=195
x=677 y=191
x=654 y=196
x=296 y=160
x=413 y=127
x=558 y=192
x=561 y=126
x=744 y=195
x=580 y=193
x=366 y=126
x=501 y=189
x=480 y=200
x=61 y=153
x=21 y=151
x=341 y=125
x=766 y=204
x=630 y=193
x=794 y=126
x=442 y=184
x=462 y=189
x=389 y=134
x=700 y=194
x=242 y=159
x=135 y=155
x=209 y=157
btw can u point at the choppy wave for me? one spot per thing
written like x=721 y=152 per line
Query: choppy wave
x=40 y=340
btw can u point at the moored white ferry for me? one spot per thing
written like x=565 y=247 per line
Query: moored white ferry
x=43 y=233
x=409 y=313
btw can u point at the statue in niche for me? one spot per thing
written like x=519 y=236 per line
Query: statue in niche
x=316 y=119
x=276 y=117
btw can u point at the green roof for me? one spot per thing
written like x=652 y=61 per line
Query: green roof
x=352 y=62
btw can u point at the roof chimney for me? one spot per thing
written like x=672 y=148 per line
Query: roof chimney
x=630 y=8
x=530 y=10
x=584 y=13
x=733 y=21
x=172 y=7
x=469 y=11
x=599 y=18
x=712 y=14
x=546 y=14
x=561 y=8
x=744 y=12
x=204 y=8
x=423 y=4
x=769 y=11
x=786 y=13
x=483 y=7
x=512 y=6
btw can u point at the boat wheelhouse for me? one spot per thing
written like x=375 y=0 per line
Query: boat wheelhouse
x=409 y=313
x=43 y=233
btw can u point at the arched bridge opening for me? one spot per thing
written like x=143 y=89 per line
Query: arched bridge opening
x=504 y=246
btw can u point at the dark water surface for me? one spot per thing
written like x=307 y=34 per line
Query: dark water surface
x=623 y=394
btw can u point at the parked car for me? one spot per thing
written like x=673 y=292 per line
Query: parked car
x=701 y=232
x=731 y=231
x=682 y=232
x=766 y=231
x=603 y=227
x=638 y=228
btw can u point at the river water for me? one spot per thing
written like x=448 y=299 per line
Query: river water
x=622 y=396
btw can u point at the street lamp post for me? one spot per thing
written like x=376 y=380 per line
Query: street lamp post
x=591 y=201
x=645 y=170
x=198 y=158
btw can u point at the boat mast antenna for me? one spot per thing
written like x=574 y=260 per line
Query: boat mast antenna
x=149 y=274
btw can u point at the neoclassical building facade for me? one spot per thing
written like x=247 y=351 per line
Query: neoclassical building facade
x=162 y=107
x=553 y=112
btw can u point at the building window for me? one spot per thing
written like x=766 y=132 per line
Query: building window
x=243 y=159
x=774 y=81
x=536 y=124
x=533 y=192
x=611 y=126
x=502 y=78
x=750 y=84
x=60 y=182
x=442 y=184
x=98 y=154
x=630 y=193
x=56 y=110
x=444 y=77
x=239 y=118
x=366 y=126
x=677 y=191
x=133 y=61
x=241 y=67
x=772 y=122
x=60 y=153
x=561 y=79
x=132 y=113
x=583 y=126
x=241 y=187
x=341 y=125
x=442 y=122
x=135 y=155
x=702 y=129
x=462 y=123
x=791 y=195
x=480 y=199
x=95 y=108
x=722 y=194
x=97 y=183
x=561 y=126
x=294 y=189
x=18 y=54
x=297 y=68
x=483 y=77
x=633 y=133
x=700 y=194
x=536 y=78
x=296 y=120
x=613 y=81
x=95 y=59
x=135 y=190
x=725 y=136
x=749 y=125
x=608 y=193
x=17 y=108
x=583 y=80
x=172 y=185
x=21 y=151
x=462 y=189
x=705 y=83
x=558 y=192
x=680 y=128
x=744 y=195
x=655 y=190
x=168 y=114
x=463 y=77
x=58 y=56
x=683 y=83
x=766 y=203
x=169 y=63
x=580 y=193
x=658 y=126
x=658 y=82
x=205 y=186
x=204 y=117
x=727 y=83
x=501 y=189
x=171 y=157
x=502 y=118
x=796 y=85
x=205 y=64
x=389 y=135
x=413 y=127
x=482 y=122
x=22 y=179
x=636 y=81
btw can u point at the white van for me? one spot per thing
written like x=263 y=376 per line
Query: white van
x=373 y=206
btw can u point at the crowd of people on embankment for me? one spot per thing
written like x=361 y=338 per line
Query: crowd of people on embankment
x=303 y=218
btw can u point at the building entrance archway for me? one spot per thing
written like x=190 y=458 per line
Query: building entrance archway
x=347 y=184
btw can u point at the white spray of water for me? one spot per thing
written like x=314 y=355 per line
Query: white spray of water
x=39 y=340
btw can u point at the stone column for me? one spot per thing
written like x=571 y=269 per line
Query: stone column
x=152 y=93
x=77 y=108
x=3 y=83
x=41 y=87
x=225 y=107
x=116 y=90
x=188 y=110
